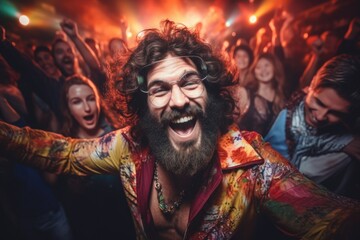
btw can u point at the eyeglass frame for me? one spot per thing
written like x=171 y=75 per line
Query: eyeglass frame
x=202 y=76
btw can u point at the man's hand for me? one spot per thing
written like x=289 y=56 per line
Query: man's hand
x=70 y=28
x=277 y=22
x=353 y=148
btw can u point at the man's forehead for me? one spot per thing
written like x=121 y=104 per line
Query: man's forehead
x=62 y=44
x=171 y=66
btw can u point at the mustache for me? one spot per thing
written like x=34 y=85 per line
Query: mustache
x=168 y=116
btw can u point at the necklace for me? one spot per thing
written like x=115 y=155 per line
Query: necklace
x=167 y=209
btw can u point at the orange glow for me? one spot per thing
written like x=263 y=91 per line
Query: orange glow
x=253 y=19
x=267 y=6
x=97 y=20
x=24 y=20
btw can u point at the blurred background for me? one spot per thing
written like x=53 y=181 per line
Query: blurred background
x=232 y=19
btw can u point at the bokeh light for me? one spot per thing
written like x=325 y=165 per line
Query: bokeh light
x=252 y=19
x=24 y=20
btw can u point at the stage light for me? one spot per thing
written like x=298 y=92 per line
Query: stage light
x=252 y=19
x=24 y=20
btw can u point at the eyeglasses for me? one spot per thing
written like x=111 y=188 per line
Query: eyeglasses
x=190 y=84
x=159 y=92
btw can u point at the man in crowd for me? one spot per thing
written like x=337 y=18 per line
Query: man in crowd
x=187 y=171
x=317 y=131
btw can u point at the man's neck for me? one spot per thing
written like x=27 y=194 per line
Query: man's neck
x=173 y=183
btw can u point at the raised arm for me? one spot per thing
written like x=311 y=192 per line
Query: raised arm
x=348 y=43
x=123 y=28
x=33 y=76
x=71 y=30
x=314 y=63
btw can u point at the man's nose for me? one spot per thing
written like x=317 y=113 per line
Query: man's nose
x=321 y=115
x=178 y=99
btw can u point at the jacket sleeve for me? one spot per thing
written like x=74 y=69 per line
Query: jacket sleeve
x=56 y=153
x=299 y=207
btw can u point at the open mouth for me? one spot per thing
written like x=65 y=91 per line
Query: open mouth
x=89 y=117
x=183 y=125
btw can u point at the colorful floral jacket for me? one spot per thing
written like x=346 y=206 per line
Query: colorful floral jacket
x=248 y=177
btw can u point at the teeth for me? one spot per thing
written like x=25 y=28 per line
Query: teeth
x=183 y=119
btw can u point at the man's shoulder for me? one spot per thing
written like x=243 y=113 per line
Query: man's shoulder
x=263 y=148
x=296 y=98
x=234 y=150
x=251 y=136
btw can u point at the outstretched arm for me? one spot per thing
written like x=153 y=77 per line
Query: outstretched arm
x=58 y=154
x=298 y=206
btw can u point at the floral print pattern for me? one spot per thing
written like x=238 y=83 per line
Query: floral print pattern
x=248 y=177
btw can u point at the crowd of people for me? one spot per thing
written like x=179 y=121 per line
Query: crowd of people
x=175 y=139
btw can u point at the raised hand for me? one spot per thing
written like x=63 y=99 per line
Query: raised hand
x=123 y=24
x=70 y=28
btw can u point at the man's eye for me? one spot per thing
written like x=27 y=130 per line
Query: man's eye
x=159 y=90
x=190 y=81
x=340 y=115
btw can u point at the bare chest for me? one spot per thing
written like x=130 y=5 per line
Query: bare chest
x=169 y=226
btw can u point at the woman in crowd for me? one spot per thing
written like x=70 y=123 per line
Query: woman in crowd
x=86 y=116
x=262 y=97
x=243 y=57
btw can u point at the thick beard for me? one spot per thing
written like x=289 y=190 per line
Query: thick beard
x=189 y=159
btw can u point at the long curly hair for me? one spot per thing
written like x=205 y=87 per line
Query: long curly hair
x=156 y=44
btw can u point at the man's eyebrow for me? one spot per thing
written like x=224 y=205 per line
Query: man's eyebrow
x=340 y=112
x=156 y=81
x=319 y=101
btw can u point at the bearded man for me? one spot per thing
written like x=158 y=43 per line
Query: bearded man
x=187 y=171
